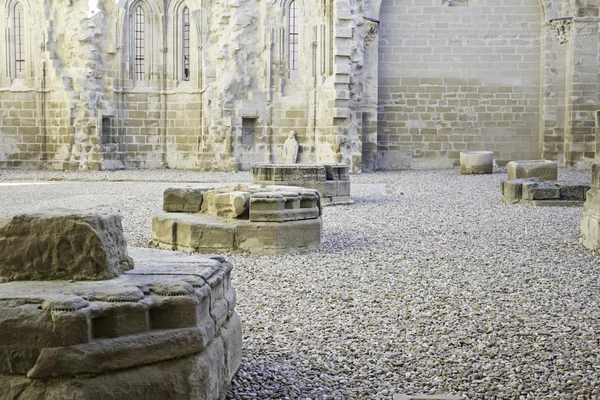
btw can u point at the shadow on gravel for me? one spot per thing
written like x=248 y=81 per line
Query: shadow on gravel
x=342 y=243
x=373 y=200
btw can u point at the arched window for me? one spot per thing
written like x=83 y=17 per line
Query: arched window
x=19 y=40
x=186 y=44
x=140 y=52
x=294 y=45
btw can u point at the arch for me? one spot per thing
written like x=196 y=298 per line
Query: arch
x=185 y=44
x=293 y=35
x=141 y=35
x=285 y=4
x=153 y=7
x=18 y=39
x=18 y=25
x=139 y=42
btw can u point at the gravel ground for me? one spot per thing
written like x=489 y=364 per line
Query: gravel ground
x=428 y=284
x=142 y=175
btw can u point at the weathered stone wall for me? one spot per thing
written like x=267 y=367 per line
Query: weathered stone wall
x=458 y=78
x=20 y=146
x=380 y=84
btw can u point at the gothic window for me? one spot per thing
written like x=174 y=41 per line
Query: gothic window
x=294 y=49
x=19 y=40
x=186 y=44
x=139 y=40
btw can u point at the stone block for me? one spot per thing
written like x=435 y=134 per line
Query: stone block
x=331 y=180
x=121 y=319
x=62 y=244
x=329 y=188
x=232 y=340
x=343 y=188
x=596 y=176
x=541 y=169
x=282 y=238
x=182 y=357
x=531 y=190
x=221 y=227
x=590 y=231
x=282 y=207
x=544 y=192
x=512 y=189
x=182 y=200
x=573 y=191
x=476 y=162
x=231 y=204
x=192 y=232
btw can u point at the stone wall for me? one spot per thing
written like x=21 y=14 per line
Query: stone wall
x=380 y=84
x=458 y=78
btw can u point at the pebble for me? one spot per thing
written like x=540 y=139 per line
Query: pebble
x=427 y=284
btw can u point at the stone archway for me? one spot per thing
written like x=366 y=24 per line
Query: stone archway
x=458 y=75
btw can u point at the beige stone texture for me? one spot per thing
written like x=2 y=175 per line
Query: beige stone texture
x=542 y=193
x=166 y=329
x=193 y=233
x=208 y=234
x=378 y=84
x=540 y=169
x=331 y=180
x=269 y=220
x=476 y=162
x=279 y=238
x=62 y=244
x=282 y=206
x=182 y=200
x=231 y=204
x=590 y=218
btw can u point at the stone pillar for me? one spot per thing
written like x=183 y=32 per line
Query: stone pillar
x=583 y=96
x=590 y=219
x=370 y=95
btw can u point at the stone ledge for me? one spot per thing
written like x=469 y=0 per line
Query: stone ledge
x=200 y=376
x=207 y=234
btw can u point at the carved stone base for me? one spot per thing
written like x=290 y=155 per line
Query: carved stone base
x=165 y=330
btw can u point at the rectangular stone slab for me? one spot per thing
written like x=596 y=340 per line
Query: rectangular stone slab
x=541 y=169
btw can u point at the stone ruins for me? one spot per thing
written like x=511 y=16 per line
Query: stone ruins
x=535 y=182
x=590 y=219
x=476 y=162
x=166 y=329
x=540 y=169
x=542 y=193
x=265 y=220
x=374 y=84
x=331 y=180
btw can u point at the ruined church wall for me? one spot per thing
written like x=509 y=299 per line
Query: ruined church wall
x=20 y=111
x=430 y=79
x=20 y=145
x=572 y=82
x=458 y=77
x=583 y=103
